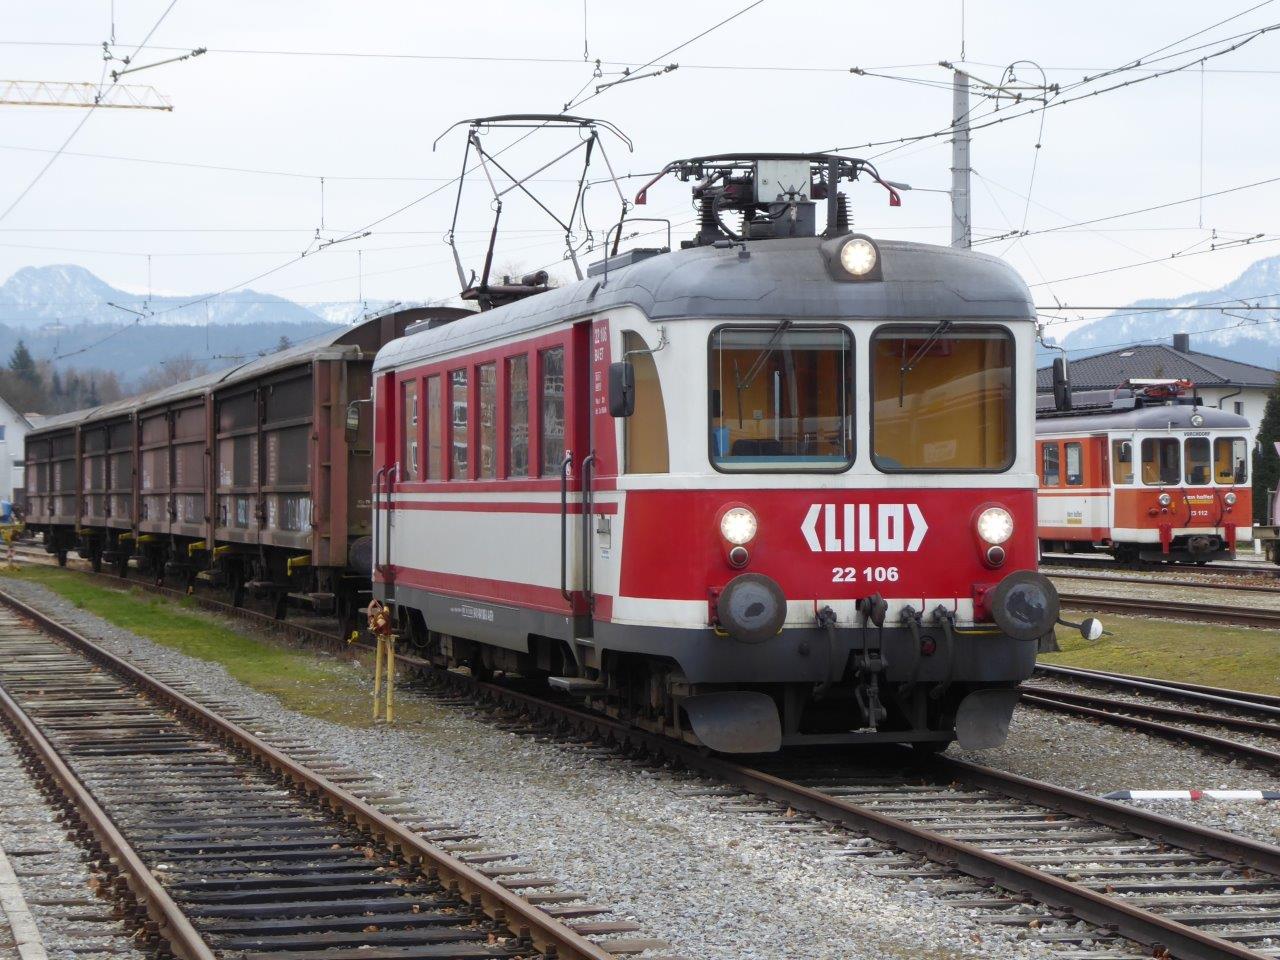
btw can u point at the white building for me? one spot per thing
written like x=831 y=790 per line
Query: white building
x=13 y=436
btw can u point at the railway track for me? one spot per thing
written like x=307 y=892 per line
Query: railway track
x=1164 y=582
x=1219 y=613
x=217 y=844
x=1106 y=563
x=1059 y=856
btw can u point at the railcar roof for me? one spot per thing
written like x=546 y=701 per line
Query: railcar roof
x=1142 y=418
x=331 y=344
x=778 y=279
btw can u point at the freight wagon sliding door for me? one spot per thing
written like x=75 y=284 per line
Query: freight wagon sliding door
x=236 y=467
x=288 y=451
x=153 y=479
x=120 y=434
x=62 y=466
x=38 y=478
x=93 y=467
x=189 y=460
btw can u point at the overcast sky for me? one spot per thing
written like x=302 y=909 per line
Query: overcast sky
x=343 y=90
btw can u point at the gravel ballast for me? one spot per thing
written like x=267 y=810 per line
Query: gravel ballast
x=645 y=841
x=74 y=923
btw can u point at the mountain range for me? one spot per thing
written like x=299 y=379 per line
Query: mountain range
x=62 y=309
x=69 y=295
x=1214 y=319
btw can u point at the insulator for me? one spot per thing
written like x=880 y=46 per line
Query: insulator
x=842 y=214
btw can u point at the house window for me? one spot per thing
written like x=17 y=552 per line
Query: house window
x=458 y=445
x=434 y=469
x=409 y=430
x=1050 y=470
x=488 y=376
x=551 y=391
x=518 y=416
x=1239 y=410
x=2 y=429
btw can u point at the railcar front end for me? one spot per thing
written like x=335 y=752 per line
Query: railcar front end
x=773 y=487
x=1150 y=475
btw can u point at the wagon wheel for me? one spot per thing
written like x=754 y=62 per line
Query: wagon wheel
x=95 y=559
x=237 y=590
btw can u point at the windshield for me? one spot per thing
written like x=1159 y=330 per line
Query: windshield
x=943 y=399
x=781 y=398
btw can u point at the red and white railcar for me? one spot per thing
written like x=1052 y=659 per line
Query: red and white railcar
x=1148 y=473
x=773 y=487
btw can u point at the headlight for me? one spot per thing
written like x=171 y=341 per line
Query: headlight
x=1165 y=499
x=995 y=525
x=1230 y=497
x=738 y=526
x=1197 y=420
x=858 y=257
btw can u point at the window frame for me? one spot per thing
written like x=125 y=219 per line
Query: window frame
x=851 y=391
x=536 y=391
x=411 y=434
x=1057 y=464
x=1208 y=463
x=1213 y=461
x=1159 y=481
x=450 y=473
x=894 y=327
x=1066 y=463
x=509 y=423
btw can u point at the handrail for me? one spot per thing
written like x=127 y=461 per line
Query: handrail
x=588 y=465
x=393 y=476
x=564 y=526
x=377 y=503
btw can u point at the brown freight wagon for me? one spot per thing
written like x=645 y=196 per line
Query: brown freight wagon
x=247 y=479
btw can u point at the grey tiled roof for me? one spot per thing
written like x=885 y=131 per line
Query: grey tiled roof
x=1150 y=360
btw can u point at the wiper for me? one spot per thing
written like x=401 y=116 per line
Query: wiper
x=758 y=364
x=942 y=327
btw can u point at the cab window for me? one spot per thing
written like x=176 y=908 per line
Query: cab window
x=1122 y=462
x=1075 y=464
x=942 y=400
x=645 y=431
x=781 y=398
x=1231 y=460
x=1050 y=469
x=1160 y=461
x=1197 y=460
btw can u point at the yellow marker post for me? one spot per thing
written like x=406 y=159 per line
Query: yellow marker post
x=384 y=663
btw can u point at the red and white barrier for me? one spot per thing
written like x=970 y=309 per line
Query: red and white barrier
x=1192 y=795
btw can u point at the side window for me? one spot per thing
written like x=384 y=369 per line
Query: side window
x=645 y=431
x=1122 y=461
x=1050 y=473
x=1231 y=460
x=1197 y=460
x=458 y=441
x=518 y=416
x=409 y=430
x=1160 y=461
x=551 y=397
x=488 y=377
x=435 y=470
x=1075 y=464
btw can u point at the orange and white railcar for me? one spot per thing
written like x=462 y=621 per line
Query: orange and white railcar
x=1149 y=474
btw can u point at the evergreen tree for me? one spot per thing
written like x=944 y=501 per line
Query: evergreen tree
x=23 y=364
x=1266 y=462
x=55 y=385
x=284 y=343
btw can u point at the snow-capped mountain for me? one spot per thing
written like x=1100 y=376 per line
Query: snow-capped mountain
x=1251 y=336
x=69 y=295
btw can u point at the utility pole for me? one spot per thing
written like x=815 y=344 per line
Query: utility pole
x=961 y=224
